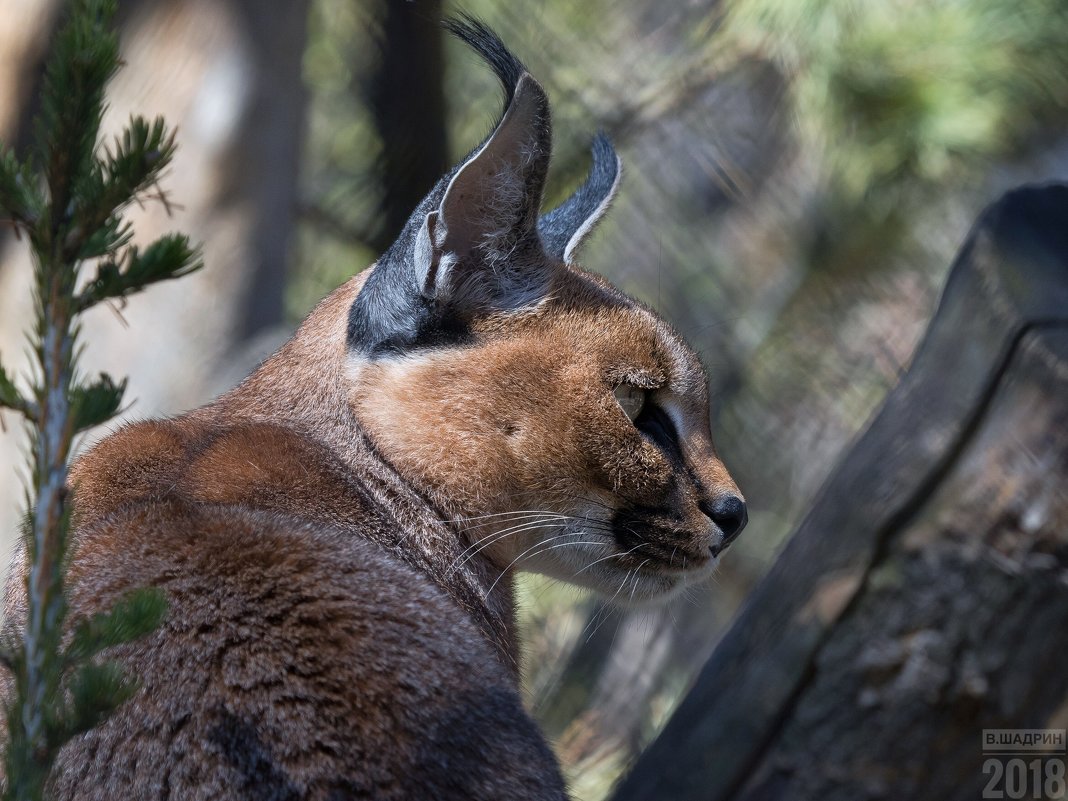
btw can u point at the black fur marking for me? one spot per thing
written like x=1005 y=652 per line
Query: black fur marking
x=657 y=426
x=390 y=315
x=242 y=748
x=630 y=527
x=435 y=328
x=558 y=226
x=461 y=751
x=646 y=530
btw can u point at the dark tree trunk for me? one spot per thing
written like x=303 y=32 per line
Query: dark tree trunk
x=407 y=99
x=925 y=596
x=266 y=156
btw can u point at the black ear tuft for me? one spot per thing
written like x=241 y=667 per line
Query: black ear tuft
x=565 y=228
x=487 y=44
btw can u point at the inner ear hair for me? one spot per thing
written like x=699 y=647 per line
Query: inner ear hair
x=480 y=247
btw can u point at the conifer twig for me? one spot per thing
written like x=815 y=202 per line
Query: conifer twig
x=71 y=209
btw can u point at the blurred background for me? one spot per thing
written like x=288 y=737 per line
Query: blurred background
x=798 y=177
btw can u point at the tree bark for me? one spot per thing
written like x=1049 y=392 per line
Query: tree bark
x=925 y=596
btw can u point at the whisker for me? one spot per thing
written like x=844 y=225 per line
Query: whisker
x=601 y=608
x=608 y=604
x=514 y=513
x=545 y=550
x=611 y=555
x=477 y=547
x=524 y=525
x=529 y=516
x=481 y=545
x=512 y=563
x=689 y=594
x=635 y=587
x=517 y=519
x=519 y=526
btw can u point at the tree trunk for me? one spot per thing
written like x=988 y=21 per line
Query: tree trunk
x=925 y=596
x=265 y=153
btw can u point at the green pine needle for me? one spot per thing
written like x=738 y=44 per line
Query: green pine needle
x=139 y=613
x=59 y=691
x=128 y=168
x=112 y=235
x=83 y=59
x=10 y=397
x=170 y=256
x=20 y=199
x=96 y=690
x=96 y=403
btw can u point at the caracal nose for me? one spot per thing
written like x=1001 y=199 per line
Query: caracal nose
x=729 y=513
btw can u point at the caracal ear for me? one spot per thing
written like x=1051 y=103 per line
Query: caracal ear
x=567 y=226
x=471 y=246
x=480 y=250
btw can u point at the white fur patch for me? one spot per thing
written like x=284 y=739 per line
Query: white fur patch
x=587 y=226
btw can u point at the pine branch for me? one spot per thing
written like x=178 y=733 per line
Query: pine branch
x=97 y=403
x=112 y=235
x=11 y=398
x=129 y=168
x=59 y=693
x=96 y=690
x=168 y=257
x=137 y=614
x=84 y=58
x=18 y=194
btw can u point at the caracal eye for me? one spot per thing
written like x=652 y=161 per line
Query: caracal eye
x=631 y=399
